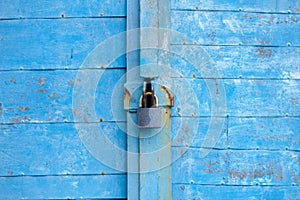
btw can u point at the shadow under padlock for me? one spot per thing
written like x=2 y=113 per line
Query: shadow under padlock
x=148 y=114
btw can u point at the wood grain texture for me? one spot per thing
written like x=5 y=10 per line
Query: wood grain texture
x=197 y=192
x=263 y=168
x=264 y=133
x=244 y=62
x=234 y=28
x=57 y=8
x=53 y=149
x=63 y=187
x=46 y=96
x=237 y=5
x=237 y=167
x=192 y=169
x=243 y=97
x=55 y=43
x=184 y=132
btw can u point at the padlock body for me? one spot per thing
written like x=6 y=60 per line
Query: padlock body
x=149 y=117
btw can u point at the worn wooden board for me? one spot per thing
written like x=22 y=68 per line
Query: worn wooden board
x=244 y=62
x=57 y=8
x=46 y=96
x=243 y=97
x=192 y=169
x=237 y=5
x=197 y=192
x=263 y=168
x=53 y=149
x=50 y=97
x=264 y=133
x=237 y=167
x=184 y=132
x=55 y=44
x=63 y=187
x=235 y=28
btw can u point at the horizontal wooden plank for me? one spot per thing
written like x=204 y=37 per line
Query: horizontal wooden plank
x=237 y=5
x=191 y=168
x=197 y=192
x=46 y=96
x=55 y=44
x=264 y=133
x=51 y=149
x=243 y=97
x=263 y=168
x=235 y=167
x=281 y=192
x=63 y=187
x=243 y=61
x=193 y=132
x=236 y=28
x=57 y=8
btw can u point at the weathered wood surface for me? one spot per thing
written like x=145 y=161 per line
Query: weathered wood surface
x=244 y=62
x=46 y=96
x=239 y=5
x=197 y=192
x=235 y=28
x=244 y=97
x=237 y=167
x=45 y=44
x=63 y=187
x=254 y=47
x=58 y=8
x=53 y=149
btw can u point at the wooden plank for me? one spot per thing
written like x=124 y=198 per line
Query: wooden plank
x=184 y=132
x=46 y=96
x=55 y=44
x=243 y=97
x=197 y=192
x=132 y=61
x=57 y=8
x=149 y=18
x=51 y=149
x=63 y=187
x=192 y=169
x=263 y=167
x=264 y=133
x=281 y=192
x=236 y=167
x=235 y=28
x=244 y=61
x=184 y=191
x=237 y=5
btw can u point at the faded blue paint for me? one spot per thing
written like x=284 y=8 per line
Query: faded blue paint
x=54 y=43
x=254 y=46
x=68 y=8
x=284 y=6
x=237 y=28
x=133 y=60
x=43 y=44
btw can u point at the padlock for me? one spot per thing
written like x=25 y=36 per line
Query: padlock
x=149 y=114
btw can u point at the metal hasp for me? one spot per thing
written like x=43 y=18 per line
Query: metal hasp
x=148 y=115
x=148 y=126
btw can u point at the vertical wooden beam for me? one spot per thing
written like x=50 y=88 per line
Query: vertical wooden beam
x=133 y=42
x=155 y=182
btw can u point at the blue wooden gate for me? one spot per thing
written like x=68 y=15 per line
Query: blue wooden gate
x=71 y=76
